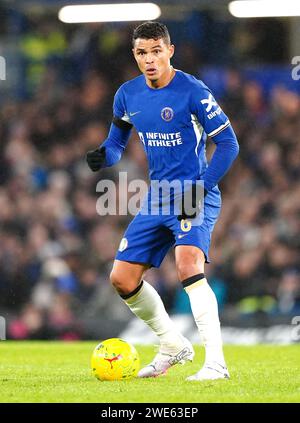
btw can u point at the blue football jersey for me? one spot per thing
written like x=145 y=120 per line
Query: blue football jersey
x=173 y=123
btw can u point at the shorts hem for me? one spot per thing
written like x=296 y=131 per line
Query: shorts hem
x=136 y=261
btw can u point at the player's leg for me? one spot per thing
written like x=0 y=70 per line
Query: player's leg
x=147 y=241
x=126 y=277
x=144 y=301
x=190 y=267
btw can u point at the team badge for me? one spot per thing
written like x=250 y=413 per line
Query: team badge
x=167 y=114
x=123 y=244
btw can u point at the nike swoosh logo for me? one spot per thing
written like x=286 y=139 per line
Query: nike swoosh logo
x=181 y=235
x=134 y=113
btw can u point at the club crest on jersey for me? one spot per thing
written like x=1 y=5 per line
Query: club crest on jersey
x=123 y=244
x=167 y=114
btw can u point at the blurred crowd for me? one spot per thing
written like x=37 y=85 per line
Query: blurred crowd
x=56 y=252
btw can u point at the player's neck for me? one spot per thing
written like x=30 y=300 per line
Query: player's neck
x=164 y=80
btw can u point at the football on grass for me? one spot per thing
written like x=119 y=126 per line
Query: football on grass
x=115 y=359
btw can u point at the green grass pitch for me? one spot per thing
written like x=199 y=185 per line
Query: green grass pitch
x=60 y=372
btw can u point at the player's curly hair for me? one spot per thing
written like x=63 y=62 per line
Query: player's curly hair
x=151 y=30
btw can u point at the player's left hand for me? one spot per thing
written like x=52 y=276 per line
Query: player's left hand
x=191 y=208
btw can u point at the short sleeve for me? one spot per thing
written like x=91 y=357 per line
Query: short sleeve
x=209 y=113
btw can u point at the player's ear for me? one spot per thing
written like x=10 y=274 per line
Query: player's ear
x=171 y=50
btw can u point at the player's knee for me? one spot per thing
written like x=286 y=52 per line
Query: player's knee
x=120 y=283
x=189 y=262
x=189 y=266
x=117 y=280
x=186 y=270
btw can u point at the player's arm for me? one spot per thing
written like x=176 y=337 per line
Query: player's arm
x=111 y=150
x=217 y=126
x=227 y=149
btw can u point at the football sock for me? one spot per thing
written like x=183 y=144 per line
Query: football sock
x=205 y=311
x=146 y=304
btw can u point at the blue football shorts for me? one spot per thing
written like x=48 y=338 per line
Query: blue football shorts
x=148 y=238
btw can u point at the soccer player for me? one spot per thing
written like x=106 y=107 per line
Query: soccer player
x=173 y=113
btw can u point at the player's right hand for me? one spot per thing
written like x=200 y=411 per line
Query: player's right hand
x=96 y=159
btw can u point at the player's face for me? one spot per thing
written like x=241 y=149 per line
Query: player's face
x=153 y=59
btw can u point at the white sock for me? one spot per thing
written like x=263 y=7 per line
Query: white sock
x=205 y=311
x=148 y=306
